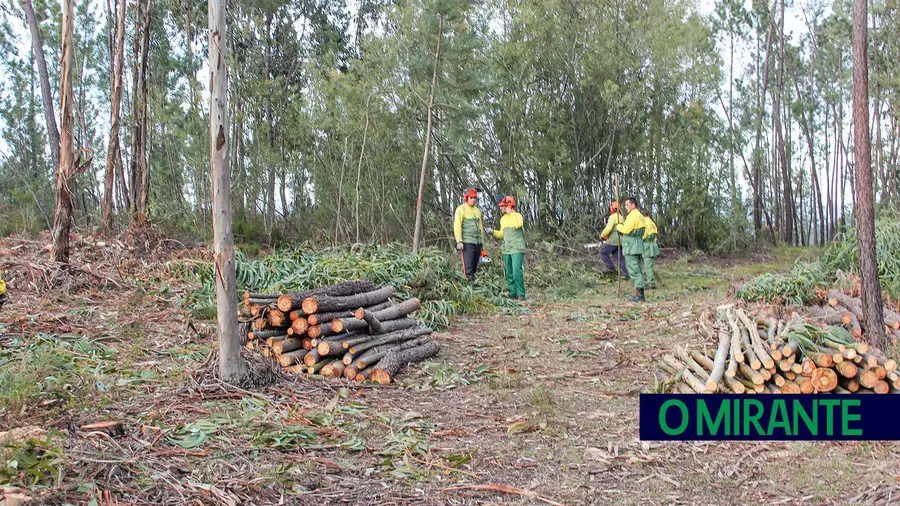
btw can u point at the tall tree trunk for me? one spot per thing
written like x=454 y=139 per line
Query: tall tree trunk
x=787 y=194
x=116 y=100
x=134 y=165
x=232 y=368
x=65 y=173
x=270 y=187
x=143 y=197
x=417 y=231
x=865 y=200
x=37 y=45
x=757 y=156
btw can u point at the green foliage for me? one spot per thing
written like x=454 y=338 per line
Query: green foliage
x=843 y=255
x=33 y=462
x=797 y=287
x=54 y=368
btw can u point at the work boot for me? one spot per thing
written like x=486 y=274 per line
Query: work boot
x=3 y=299
x=638 y=296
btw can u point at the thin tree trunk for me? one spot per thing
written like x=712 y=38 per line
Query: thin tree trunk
x=134 y=166
x=757 y=157
x=417 y=231
x=116 y=100
x=865 y=201
x=65 y=173
x=37 y=45
x=143 y=197
x=232 y=368
x=787 y=194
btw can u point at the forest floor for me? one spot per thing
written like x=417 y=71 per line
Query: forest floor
x=541 y=407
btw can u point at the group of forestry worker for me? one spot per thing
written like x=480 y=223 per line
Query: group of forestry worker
x=631 y=239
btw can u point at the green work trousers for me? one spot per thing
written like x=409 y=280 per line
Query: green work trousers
x=633 y=263
x=649 y=271
x=515 y=278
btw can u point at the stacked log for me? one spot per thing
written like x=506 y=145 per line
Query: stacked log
x=842 y=309
x=755 y=353
x=351 y=330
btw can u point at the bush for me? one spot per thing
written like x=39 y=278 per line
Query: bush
x=798 y=287
x=843 y=256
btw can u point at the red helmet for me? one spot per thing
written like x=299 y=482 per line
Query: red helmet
x=507 y=201
x=470 y=192
x=614 y=206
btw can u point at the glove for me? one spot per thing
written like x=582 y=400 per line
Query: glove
x=604 y=237
x=489 y=230
x=459 y=246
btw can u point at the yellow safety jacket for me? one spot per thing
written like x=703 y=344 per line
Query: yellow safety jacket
x=512 y=233
x=632 y=233
x=651 y=233
x=467 y=224
x=612 y=237
x=2 y=285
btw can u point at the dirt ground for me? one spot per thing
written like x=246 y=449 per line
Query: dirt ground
x=539 y=407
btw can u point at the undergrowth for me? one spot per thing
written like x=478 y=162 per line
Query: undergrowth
x=839 y=258
x=429 y=275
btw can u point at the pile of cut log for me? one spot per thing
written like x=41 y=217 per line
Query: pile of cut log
x=351 y=330
x=759 y=353
x=842 y=309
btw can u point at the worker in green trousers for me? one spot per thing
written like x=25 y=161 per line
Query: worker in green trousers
x=632 y=232
x=512 y=233
x=651 y=250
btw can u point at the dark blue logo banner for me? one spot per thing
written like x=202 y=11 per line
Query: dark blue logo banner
x=769 y=417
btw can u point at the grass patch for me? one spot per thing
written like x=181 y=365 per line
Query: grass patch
x=54 y=368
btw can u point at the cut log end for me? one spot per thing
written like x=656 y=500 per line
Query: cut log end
x=824 y=379
x=309 y=305
x=381 y=377
x=284 y=303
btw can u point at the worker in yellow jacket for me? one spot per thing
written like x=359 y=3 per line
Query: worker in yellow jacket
x=611 y=251
x=632 y=232
x=512 y=232
x=651 y=250
x=468 y=228
x=3 y=296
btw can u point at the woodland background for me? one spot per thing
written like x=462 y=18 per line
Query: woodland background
x=728 y=126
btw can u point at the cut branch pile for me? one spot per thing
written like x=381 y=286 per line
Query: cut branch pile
x=757 y=353
x=351 y=330
x=846 y=311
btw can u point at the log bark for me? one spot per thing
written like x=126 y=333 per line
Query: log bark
x=755 y=340
x=317 y=367
x=289 y=344
x=330 y=348
x=752 y=360
x=291 y=301
x=393 y=337
x=292 y=357
x=375 y=354
x=678 y=368
x=359 y=312
x=265 y=334
x=323 y=303
x=334 y=369
x=312 y=357
x=320 y=318
x=735 y=340
x=389 y=366
x=374 y=319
